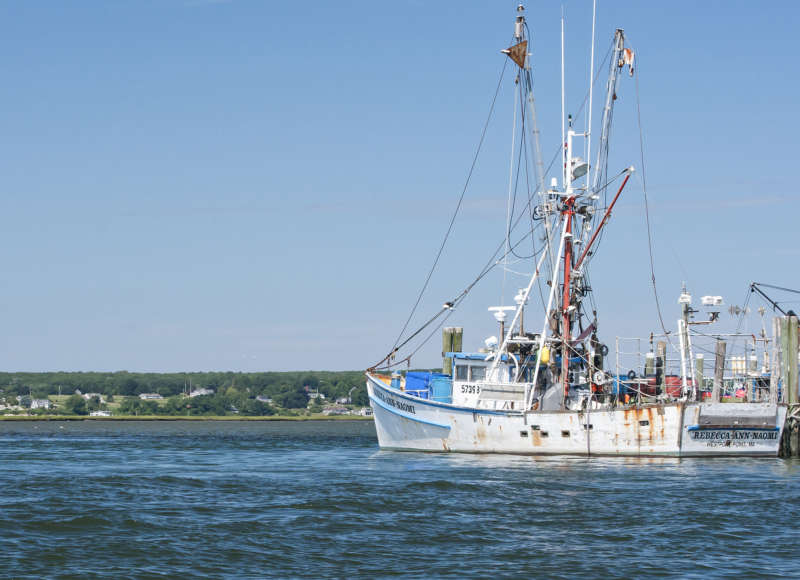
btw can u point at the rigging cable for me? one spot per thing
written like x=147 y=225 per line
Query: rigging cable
x=458 y=207
x=647 y=206
x=488 y=268
x=511 y=184
x=490 y=265
x=448 y=307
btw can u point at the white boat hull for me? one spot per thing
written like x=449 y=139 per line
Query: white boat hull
x=674 y=429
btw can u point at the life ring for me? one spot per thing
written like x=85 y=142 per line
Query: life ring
x=604 y=350
x=631 y=375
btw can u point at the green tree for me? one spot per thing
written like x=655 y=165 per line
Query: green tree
x=76 y=405
x=93 y=404
x=310 y=381
x=295 y=399
x=360 y=397
x=128 y=387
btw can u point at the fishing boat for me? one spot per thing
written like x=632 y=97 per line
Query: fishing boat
x=551 y=389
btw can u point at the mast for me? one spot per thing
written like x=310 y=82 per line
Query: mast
x=591 y=92
x=566 y=204
x=567 y=308
x=563 y=107
x=566 y=317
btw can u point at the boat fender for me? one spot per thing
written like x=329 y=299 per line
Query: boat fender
x=631 y=375
x=545 y=355
x=604 y=350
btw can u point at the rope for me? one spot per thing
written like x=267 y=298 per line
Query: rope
x=449 y=307
x=647 y=208
x=455 y=213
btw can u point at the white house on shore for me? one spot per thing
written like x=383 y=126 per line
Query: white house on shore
x=90 y=396
x=41 y=404
x=201 y=392
x=100 y=414
x=150 y=396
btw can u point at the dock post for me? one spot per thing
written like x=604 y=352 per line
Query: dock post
x=789 y=359
x=447 y=346
x=452 y=339
x=775 y=371
x=458 y=338
x=719 y=370
x=699 y=363
x=649 y=364
x=661 y=364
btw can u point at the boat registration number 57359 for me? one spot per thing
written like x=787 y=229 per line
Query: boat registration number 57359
x=470 y=389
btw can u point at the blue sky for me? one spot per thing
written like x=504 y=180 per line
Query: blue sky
x=241 y=185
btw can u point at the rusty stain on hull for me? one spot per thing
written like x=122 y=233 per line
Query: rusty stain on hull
x=480 y=434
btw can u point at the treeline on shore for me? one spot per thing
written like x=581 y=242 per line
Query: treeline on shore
x=211 y=393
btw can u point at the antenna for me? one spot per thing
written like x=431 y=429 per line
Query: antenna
x=591 y=87
x=563 y=132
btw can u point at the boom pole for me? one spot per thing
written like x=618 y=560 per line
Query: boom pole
x=604 y=220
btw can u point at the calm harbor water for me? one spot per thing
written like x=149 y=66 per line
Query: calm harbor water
x=289 y=499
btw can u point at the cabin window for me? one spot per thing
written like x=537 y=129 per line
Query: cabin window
x=565 y=433
x=477 y=373
x=461 y=372
x=534 y=427
x=644 y=423
x=523 y=433
x=544 y=434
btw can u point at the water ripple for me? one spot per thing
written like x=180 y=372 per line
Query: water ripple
x=255 y=500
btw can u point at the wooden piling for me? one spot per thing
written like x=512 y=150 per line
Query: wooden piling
x=452 y=338
x=719 y=370
x=661 y=364
x=775 y=370
x=789 y=359
x=649 y=364
x=699 y=363
x=458 y=338
x=790 y=442
x=447 y=346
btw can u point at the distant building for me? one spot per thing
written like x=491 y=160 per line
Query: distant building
x=41 y=404
x=201 y=392
x=100 y=414
x=89 y=396
x=365 y=412
x=264 y=399
x=343 y=401
x=149 y=396
x=336 y=411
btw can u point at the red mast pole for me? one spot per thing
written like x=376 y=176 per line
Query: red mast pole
x=566 y=330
